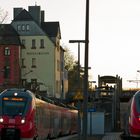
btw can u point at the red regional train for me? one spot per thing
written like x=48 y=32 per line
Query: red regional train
x=25 y=117
x=132 y=118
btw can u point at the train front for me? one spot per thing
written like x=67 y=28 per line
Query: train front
x=17 y=110
x=134 y=118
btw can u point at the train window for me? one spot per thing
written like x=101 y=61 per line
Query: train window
x=138 y=104
x=13 y=106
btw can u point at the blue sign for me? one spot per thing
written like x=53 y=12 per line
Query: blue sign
x=91 y=110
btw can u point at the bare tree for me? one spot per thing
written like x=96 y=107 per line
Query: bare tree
x=3 y=16
x=69 y=59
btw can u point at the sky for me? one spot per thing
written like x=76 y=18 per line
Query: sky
x=114 y=33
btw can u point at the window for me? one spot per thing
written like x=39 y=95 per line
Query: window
x=6 y=72
x=7 y=51
x=23 y=43
x=65 y=74
x=24 y=82
x=62 y=66
x=19 y=27
x=13 y=107
x=27 y=27
x=33 y=44
x=58 y=65
x=23 y=27
x=23 y=63
x=42 y=43
x=33 y=62
x=57 y=86
x=33 y=84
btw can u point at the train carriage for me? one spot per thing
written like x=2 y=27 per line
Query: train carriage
x=132 y=118
x=25 y=117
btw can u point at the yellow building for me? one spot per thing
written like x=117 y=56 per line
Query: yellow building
x=42 y=57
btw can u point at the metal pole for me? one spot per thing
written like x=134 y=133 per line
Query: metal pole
x=79 y=102
x=86 y=73
x=78 y=64
x=79 y=120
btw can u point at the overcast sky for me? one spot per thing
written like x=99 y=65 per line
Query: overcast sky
x=114 y=43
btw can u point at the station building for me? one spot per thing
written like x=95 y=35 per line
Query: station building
x=35 y=58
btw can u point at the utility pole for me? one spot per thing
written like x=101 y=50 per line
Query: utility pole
x=85 y=108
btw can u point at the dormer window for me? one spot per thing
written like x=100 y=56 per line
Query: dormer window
x=23 y=27
x=27 y=27
x=19 y=27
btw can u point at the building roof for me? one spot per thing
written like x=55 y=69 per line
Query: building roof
x=51 y=28
x=108 y=79
x=8 y=35
x=23 y=16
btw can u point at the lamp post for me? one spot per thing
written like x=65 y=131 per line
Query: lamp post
x=78 y=41
x=79 y=103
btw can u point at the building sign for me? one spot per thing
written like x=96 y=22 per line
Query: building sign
x=37 y=53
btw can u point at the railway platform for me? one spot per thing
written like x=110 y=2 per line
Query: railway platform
x=106 y=136
x=112 y=136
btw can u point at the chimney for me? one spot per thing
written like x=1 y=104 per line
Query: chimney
x=35 y=13
x=17 y=11
x=42 y=16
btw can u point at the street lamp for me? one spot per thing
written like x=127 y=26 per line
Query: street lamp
x=86 y=73
x=135 y=81
x=78 y=41
x=79 y=103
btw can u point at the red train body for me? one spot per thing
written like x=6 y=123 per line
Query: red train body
x=25 y=117
x=132 y=117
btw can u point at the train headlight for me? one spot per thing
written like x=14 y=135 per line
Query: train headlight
x=15 y=94
x=1 y=120
x=138 y=118
x=23 y=120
